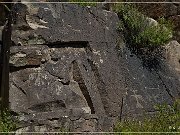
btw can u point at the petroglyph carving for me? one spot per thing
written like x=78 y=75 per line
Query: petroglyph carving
x=138 y=99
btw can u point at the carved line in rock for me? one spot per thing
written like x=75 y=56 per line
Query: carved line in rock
x=77 y=75
x=78 y=78
x=100 y=85
x=76 y=72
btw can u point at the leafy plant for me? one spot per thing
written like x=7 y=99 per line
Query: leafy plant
x=140 y=30
x=7 y=124
x=167 y=119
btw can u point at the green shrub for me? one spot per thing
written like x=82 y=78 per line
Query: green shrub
x=167 y=119
x=139 y=30
x=84 y=3
x=7 y=124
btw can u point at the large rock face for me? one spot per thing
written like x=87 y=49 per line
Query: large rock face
x=64 y=65
x=150 y=80
x=71 y=69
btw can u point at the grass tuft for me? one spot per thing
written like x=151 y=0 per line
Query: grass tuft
x=167 y=119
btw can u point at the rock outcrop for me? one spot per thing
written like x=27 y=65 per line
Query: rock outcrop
x=64 y=67
x=70 y=69
x=150 y=80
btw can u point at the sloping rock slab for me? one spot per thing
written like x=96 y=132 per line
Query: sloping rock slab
x=64 y=58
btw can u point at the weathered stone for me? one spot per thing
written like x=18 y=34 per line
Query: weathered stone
x=173 y=56
x=28 y=56
x=176 y=19
x=68 y=70
x=85 y=125
x=149 y=81
x=142 y=88
x=74 y=67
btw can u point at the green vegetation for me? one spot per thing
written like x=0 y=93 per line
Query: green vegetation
x=140 y=30
x=167 y=119
x=84 y=3
x=64 y=131
x=7 y=124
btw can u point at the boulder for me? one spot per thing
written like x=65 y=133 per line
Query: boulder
x=64 y=64
x=150 y=80
x=70 y=69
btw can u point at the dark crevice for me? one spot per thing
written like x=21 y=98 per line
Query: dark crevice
x=39 y=125
x=5 y=52
x=13 y=113
x=52 y=119
x=122 y=103
x=23 y=91
x=32 y=121
x=65 y=83
x=78 y=78
x=15 y=69
x=54 y=59
x=57 y=128
x=85 y=67
x=98 y=19
x=166 y=88
x=100 y=86
x=73 y=44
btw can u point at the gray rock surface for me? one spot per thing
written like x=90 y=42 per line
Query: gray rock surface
x=150 y=81
x=71 y=69
x=65 y=59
